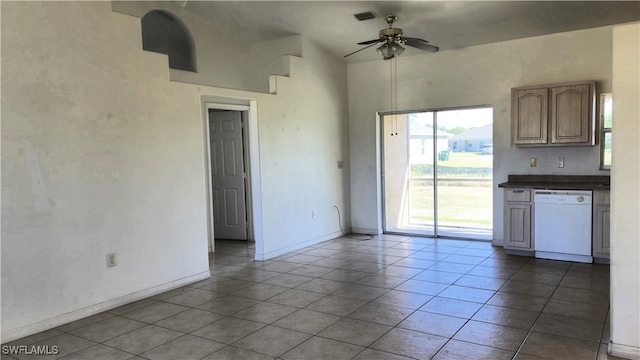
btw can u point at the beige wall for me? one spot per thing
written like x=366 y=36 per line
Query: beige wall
x=480 y=75
x=98 y=157
x=101 y=153
x=625 y=194
x=303 y=133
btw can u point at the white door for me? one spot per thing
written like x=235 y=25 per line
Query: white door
x=227 y=175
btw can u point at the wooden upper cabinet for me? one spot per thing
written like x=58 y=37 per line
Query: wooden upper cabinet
x=562 y=114
x=529 y=115
x=571 y=115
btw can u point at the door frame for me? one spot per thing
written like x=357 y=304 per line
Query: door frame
x=251 y=149
x=380 y=159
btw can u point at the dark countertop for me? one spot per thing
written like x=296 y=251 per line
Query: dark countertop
x=560 y=182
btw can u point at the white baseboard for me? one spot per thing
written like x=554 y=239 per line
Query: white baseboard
x=624 y=351
x=287 y=249
x=55 y=321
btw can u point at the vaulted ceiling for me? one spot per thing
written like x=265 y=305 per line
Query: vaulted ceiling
x=447 y=24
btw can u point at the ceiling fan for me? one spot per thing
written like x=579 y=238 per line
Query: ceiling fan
x=392 y=41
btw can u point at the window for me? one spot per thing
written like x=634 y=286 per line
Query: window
x=606 y=122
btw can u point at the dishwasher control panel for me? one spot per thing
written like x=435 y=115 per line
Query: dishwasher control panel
x=563 y=197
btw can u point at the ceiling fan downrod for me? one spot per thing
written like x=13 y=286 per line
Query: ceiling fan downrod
x=391 y=34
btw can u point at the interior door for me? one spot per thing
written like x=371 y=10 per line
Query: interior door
x=227 y=175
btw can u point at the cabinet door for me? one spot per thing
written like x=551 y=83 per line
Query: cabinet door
x=572 y=119
x=517 y=230
x=529 y=116
x=601 y=231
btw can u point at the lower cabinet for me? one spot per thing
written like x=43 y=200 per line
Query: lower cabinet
x=601 y=227
x=518 y=208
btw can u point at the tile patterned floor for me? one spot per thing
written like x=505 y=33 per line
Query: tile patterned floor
x=392 y=297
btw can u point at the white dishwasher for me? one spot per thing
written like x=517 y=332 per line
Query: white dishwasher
x=562 y=229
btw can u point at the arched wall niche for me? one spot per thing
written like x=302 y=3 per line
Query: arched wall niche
x=165 y=33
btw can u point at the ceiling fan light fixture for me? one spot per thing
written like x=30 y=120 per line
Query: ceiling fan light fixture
x=390 y=50
x=384 y=50
x=397 y=49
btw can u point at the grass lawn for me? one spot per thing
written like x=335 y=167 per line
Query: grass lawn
x=465 y=192
x=467 y=205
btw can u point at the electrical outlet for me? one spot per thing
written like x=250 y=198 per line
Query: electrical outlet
x=560 y=162
x=313 y=214
x=111 y=260
x=533 y=162
x=340 y=164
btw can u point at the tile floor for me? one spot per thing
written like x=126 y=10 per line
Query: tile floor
x=392 y=297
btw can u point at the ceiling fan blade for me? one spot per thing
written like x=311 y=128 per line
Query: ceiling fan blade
x=371 y=41
x=364 y=48
x=421 y=44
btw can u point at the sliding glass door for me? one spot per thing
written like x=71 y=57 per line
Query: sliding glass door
x=437 y=173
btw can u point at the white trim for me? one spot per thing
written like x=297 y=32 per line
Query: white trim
x=220 y=106
x=624 y=351
x=206 y=144
x=379 y=171
x=254 y=179
x=66 y=318
x=298 y=246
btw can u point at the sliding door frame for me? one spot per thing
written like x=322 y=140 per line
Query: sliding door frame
x=435 y=112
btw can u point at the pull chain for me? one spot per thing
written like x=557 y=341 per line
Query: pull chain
x=395 y=84
x=394 y=125
x=393 y=76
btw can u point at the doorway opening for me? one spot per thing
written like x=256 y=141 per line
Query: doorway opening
x=232 y=174
x=437 y=173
